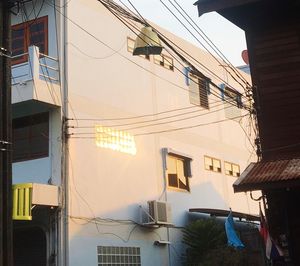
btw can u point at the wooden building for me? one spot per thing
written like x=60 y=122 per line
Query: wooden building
x=272 y=31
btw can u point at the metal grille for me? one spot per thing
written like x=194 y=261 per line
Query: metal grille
x=109 y=255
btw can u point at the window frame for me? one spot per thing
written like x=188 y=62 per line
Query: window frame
x=27 y=123
x=119 y=255
x=186 y=166
x=203 y=89
x=233 y=96
x=27 y=34
x=161 y=61
x=233 y=173
x=211 y=168
x=130 y=49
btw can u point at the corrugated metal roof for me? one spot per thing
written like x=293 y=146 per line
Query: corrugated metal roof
x=269 y=174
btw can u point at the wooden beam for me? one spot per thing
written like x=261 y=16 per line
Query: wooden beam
x=205 y=6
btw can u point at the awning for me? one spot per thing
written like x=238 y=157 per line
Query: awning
x=205 y=6
x=269 y=175
x=225 y=213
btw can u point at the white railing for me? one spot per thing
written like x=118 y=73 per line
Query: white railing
x=37 y=66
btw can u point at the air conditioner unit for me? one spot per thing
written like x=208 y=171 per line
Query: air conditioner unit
x=160 y=212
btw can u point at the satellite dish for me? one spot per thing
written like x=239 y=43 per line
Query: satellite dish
x=245 y=57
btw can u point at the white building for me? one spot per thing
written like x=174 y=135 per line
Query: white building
x=99 y=132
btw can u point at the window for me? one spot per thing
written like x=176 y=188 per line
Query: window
x=233 y=96
x=31 y=137
x=33 y=32
x=232 y=169
x=212 y=164
x=109 y=255
x=130 y=48
x=164 y=61
x=232 y=104
x=198 y=90
x=179 y=171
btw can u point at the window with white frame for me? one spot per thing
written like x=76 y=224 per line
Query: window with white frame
x=212 y=164
x=164 y=61
x=130 y=48
x=112 y=255
x=198 y=90
x=178 y=171
x=232 y=169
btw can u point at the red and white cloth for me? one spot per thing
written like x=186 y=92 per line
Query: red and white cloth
x=273 y=251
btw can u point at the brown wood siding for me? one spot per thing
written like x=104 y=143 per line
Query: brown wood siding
x=275 y=65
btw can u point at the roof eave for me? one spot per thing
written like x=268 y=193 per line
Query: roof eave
x=206 y=6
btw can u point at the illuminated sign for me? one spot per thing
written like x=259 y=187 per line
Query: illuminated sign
x=113 y=139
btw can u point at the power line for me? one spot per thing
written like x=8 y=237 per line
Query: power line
x=210 y=42
x=177 y=129
x=125 y=23
x=168 y=39
x=126 y=58
x=104 y=2
x=163 y=118
x=200 y=41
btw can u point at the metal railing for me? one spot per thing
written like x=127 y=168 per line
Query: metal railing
x=36 y=66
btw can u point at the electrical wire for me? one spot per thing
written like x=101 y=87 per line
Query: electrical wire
x=173 y=50
x=133 y=26
x=95 y=57
x=124 y=57
x=145 y=22
x=159 y=119
x=211 y=44
x=197 y=39
x=177 y=129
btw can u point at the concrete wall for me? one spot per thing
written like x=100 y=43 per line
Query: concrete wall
x=105 y=81
x=108 y=188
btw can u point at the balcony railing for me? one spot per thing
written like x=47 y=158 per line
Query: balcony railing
x=37 y=66
x=38 y=75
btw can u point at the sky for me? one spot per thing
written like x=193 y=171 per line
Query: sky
x=229 y=39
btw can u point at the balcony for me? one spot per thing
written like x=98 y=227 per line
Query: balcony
x=37 y=79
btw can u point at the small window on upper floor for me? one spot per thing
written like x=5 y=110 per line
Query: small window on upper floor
x=232 y=169
x=130 y=48
x=198 y=90
x=31 y=137
x=232 y=103
x=164 y=61
x=178 y=171
x=32 y=32
x=212 y=164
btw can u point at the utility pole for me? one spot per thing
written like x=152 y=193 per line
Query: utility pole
x=6 y=224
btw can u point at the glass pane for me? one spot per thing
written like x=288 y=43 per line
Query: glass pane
x=208 y=163
x=217 y=163
x=17 y=33
x=171 y=165
x=172 y=180
x=158 y=59
x=36 y=27
x=180 y=170
x=236 y=170
x=130 y=45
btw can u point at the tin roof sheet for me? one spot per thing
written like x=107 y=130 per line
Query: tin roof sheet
x=269 y=174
